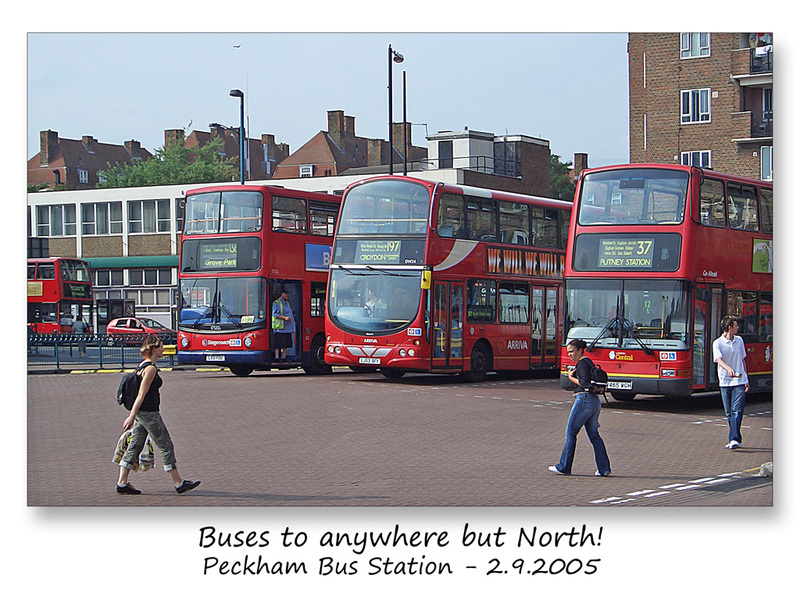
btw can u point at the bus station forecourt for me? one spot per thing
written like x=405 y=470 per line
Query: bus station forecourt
x=286 y=438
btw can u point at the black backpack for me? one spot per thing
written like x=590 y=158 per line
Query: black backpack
x=599 y=380
x=129 y=387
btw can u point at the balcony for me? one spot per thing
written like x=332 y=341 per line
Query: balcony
x=755 y=127
x=761 y=60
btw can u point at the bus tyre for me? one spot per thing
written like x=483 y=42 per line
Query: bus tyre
x=241 y=370
x=316 y=358
x=623 y=396
x=480 y=363
x=390 y=373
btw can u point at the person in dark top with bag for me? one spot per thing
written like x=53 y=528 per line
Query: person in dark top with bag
x=585 y=413
x=145 y=418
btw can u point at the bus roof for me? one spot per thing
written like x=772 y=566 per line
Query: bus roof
x=685 y=168
x=471 y=191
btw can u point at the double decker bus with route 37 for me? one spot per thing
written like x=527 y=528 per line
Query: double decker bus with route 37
x=442 y=278
x=657 y=255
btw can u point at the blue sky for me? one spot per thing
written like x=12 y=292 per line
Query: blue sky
x=571 y=89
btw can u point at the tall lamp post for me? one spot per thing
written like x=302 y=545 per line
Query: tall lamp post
x=398 y=58
x=239 y=94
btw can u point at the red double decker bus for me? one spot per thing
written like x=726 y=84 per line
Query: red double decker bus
x=439 y=278
x=239 y=245
x=59 y=291
x=657 y=255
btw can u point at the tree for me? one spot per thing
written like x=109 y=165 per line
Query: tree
x=174 y=165
x=560 y=185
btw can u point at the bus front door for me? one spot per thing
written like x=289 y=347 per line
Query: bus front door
x=448 y=326
x=295 y=290
x=707 y=315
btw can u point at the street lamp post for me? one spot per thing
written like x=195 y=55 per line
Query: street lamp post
x=398 y=58
x=239 y=94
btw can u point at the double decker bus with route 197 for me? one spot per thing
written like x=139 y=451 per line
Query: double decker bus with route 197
x=439 y=278
x=59 y=291
x=240 y=245
x=657 y=255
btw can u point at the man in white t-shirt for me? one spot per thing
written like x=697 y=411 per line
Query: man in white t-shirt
x=730 y=354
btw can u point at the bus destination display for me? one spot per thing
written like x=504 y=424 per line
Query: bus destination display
x=625 y=253
x=219 y=256
x=654 y=252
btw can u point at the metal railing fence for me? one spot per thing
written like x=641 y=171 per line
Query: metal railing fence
x=72 y=350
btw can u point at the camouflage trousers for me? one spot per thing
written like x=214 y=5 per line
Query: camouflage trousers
x=149 y=423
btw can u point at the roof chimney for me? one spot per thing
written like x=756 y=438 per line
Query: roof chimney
x=133 y=148
x=580 y=162
x=336 y=126
x=48 y=144
x=173 y=137
x=89 y=142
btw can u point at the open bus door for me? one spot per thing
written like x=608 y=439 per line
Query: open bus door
x=448 y=326
x=707 y=316
x=295 y=289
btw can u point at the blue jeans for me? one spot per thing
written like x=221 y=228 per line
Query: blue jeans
x=733 y=401
x=585 y=413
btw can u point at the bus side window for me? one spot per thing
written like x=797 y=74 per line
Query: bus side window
x=766 y=210
x=712 y=203
x=742 y=207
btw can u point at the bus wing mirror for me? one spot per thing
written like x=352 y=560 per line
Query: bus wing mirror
x=427 y=277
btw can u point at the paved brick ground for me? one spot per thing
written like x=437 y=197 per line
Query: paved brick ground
x=287 y=439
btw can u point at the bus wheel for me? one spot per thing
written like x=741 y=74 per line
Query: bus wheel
x=623 y=396
x=316 y=358
x=241 y=370
x=390 y=373
x=480 y=363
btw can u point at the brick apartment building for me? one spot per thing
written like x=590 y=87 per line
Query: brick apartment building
x=703 y=99
x=74 y=164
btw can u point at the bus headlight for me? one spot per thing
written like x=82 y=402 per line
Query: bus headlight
x=184 y=342
x=411 y=352
x=402 y=352
x=248 y=341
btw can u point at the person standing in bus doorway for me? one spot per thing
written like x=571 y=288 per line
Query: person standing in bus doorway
x=729 y=353
x=144 y=418
x=585 y=413
x=282 y=324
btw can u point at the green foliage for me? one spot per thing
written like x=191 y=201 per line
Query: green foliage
x=560 y=185
x=174 y=165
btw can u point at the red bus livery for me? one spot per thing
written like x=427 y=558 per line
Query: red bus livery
x=59 y=291
x=439 y=278
x=657 y=255
x=239 y=245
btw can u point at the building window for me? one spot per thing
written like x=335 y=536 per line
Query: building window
x=696 y=106
x=83 y=175
x=161 y=276
x=306 y=170
x=56 y=220
x=446 y=154
x=107 y=277
x=148 y=216
x=700 y=158
x=766 y=163
x=695 y=45
x=101 y=218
